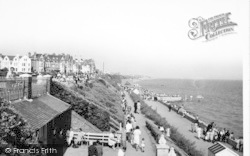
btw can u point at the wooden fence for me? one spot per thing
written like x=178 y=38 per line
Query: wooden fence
x=16 y=88
x=11 y=95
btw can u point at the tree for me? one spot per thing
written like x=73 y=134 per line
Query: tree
x=3 y=72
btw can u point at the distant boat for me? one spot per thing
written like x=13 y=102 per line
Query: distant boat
x=199 y=97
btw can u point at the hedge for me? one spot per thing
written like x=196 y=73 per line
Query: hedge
x=176 y=136
x=155 y=132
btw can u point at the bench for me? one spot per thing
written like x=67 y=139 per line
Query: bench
x=80 y=137
x=233 y=143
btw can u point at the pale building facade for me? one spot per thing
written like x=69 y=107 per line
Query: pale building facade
x=19 y=63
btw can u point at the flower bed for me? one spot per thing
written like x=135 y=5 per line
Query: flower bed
x=178 y=138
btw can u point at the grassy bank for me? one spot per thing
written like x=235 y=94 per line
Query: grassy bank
x=102 y=93
x=177 y=137
x=90 y=112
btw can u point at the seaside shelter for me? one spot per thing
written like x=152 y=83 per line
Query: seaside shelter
x=219 y=149
x=128 y=84
x=46 y=115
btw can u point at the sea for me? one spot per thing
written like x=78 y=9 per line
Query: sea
x=222 y=99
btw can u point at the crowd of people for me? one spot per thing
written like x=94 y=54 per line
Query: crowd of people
x=130 y=133
x=133 y=132
x=210 y=133
x=76 y=78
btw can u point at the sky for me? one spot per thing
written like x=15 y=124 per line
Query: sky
x=136 y=37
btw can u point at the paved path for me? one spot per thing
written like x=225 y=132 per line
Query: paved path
x=183 y=125
x=149 y=143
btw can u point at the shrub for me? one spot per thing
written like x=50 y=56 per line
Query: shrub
x=109 y=104
x=14 y=130
x=103 y=82
x=177 y=137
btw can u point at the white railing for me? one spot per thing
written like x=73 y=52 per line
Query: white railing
x=87 y=137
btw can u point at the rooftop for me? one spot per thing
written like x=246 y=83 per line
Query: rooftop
x=41 y=110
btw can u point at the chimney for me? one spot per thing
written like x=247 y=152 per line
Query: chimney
x=28 y=87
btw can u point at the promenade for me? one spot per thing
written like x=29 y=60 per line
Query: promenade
x=183 y=125
x=150 y=149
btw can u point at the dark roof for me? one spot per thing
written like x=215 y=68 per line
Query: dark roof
x=79 y=122
x=127 y=83
x=10 y=57
x=216 y=148
x=41 y=110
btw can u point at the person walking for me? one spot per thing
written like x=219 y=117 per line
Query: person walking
x=111 y=140
x=169 y=107
x=92 y=150
x=121 y=151
x=99 y=148
x=135 y=107
x=70 y=136
x=129 y=127
x=212 y=134
x=138 y=107
x=137 y=134
x=196 y=122
x=210 y=126
x=123 y=142
x=142 y=144
x=199 y=132
x=171 y=152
